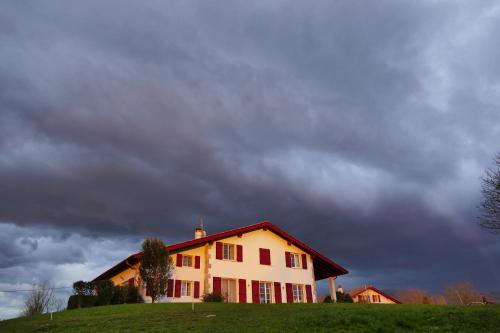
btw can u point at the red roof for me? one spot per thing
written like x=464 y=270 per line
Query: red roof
x=323 y=267
x=356 y=291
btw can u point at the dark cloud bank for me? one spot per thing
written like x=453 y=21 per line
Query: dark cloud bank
x=360 y=127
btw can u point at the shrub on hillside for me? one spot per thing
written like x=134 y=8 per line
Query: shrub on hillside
x=125 y=294
x=341 y=298
x=83 y=288
x=344 y=298
x=104 y=290
x=213 y=297
x=81 y=301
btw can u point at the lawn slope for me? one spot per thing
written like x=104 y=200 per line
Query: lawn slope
x=217 y=317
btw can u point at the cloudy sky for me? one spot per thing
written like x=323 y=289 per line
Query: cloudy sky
x=360 y=127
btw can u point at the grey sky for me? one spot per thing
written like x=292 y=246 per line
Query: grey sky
x=360 y=127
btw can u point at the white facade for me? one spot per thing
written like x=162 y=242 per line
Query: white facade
x=237 y=277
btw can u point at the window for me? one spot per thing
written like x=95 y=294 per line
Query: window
x=298 y=293
x=295 y=260
x=228 y=251
x=376 y=298
x=364 y=299
x=187 y=261
x=265 y=292
x=186 y=288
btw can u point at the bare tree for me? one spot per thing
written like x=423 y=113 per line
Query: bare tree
x=490 y=206
x=413 y=296
x=38 y=300
x=155 y=267
x=462 y=293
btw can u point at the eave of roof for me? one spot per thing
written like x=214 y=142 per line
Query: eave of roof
x=323 y=266
x=356 y=291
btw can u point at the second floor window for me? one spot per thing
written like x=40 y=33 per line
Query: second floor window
x=187 y=261
x=228 y=251
x=295 y=260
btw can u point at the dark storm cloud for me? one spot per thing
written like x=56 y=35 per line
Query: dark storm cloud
x=359 y=127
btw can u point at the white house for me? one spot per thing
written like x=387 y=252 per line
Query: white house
x=371 y=294
x=259 y=263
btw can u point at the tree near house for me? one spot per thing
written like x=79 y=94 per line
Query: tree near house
x=490 y=206
x=155 y=267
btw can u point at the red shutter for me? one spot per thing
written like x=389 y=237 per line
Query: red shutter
x=277 y=292
x=265 y=256
x=288 y=259
x=309 y=294
x=304 y=261
x=239 y=253
x=196 y=289
x=149 y=292
x=217 y=285
x=255 y=292
x=218 y=250
x=131 y=282
x=242 y=290
x=177 y=288
x=170 y=288
x=289 y=292
x=197 y=262
x=179 y=260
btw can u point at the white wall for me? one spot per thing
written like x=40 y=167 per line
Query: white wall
x=251 y=269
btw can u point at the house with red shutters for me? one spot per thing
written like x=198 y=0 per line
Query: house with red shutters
x=259 y=263
x=371 y=295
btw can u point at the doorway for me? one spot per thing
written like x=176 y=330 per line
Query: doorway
x=229 y=290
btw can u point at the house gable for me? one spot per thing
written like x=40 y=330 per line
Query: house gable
x=323 y=267
x=371 y=291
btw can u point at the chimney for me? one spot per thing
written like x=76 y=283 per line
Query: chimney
x=340 y=289
x=199 y=232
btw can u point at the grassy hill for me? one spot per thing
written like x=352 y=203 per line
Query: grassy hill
x=264 y=318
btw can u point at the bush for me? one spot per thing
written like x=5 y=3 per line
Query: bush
x=133 y=295
x=213 y=297
x=344 y=298
x=83 y=288
x=125 y=294
x=81 y=301
x=104 y=291
x=341 y=298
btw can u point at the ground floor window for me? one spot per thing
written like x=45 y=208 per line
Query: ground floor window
x=376 y=298
x=265 y=292
x=186 y=288
x=298 y=293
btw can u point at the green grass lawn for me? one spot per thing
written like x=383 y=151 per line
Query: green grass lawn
x=219 y=317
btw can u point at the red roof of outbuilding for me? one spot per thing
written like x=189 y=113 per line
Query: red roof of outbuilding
x=323 y=267
x=356 y=291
